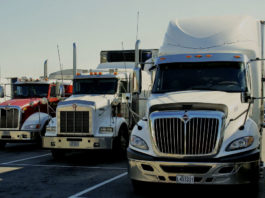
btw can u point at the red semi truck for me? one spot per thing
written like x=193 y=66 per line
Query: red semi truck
x=33 y=103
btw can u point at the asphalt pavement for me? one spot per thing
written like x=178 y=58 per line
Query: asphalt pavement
x=28 y=171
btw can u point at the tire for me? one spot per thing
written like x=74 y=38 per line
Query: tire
x=120 y=143
x=2 y=145
x=138 y=186
x=58 y=154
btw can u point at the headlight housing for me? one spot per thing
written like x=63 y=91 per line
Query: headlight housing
x=105 y=129
x=138 y=142
x=32 y=126
x=240 y=143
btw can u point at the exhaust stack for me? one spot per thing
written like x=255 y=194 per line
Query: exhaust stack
x=137 y=61
x=74 y=60
x=45 y=69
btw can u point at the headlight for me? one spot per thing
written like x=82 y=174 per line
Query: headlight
x=51 y=128
x=32 y=126
x=240 y=143
x=138 y=142
x=105 y=129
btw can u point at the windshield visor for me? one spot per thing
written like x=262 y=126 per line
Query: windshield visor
x=95 y=86
x=219 y=76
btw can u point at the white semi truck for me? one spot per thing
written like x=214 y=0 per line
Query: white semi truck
x=103 y=107
x=204 y=116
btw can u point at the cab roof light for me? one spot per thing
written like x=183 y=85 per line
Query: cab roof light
x=237 y=56
x=189 y=56
x=162 y=58
x=91 y=73
x=99 y=73
x=198 y=56
x=95 y=73
x=115 y=73
x=208 y=55
x=78 y=74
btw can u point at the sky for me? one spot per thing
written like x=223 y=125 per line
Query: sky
x=30 y=30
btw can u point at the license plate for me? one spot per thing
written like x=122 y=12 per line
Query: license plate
x=74 y=143
x=183 y=179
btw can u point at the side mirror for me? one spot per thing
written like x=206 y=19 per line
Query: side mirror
x=137 y=80
x=245 y=97
x=59 y=90
x=2 y=93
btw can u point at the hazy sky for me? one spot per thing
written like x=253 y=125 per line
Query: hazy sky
x=31 y=29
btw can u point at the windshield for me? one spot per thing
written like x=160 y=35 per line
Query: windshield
x=219 y=76
x=31 y=90
x=95 y=86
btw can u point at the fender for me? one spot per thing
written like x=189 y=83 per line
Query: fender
x=119 y=122
x=34 y=119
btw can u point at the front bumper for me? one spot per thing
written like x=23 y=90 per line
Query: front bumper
x=212 y=173
x=19 y=136
x=77 y=142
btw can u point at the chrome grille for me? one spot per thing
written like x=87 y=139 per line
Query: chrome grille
x=197 y=136
x=9 y=118
x=74 y=121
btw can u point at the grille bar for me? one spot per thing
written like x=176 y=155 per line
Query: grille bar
x=74 y=121
x=9 y=118
x=197 y=136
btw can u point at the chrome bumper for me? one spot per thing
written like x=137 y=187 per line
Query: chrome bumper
x=16 y=136
x=210 y=173
x=76 y=143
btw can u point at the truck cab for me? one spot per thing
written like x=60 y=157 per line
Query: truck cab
x=205 y=112
x=99 y=114
x=24 y=117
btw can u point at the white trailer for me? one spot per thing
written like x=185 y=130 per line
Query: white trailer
x=103 y=106
x=205 y=113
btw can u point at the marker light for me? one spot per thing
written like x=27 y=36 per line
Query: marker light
x=209 y=55
x=188 y=56
x=198 y=56
x=162 y=58
x=95 y=73
x=99 y=73
x=115 y=73
x=78 y=74
x=236 y=56
x=91 y=73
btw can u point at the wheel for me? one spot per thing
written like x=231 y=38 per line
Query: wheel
x=2 y=145
x=120 y=143
x=58 y=154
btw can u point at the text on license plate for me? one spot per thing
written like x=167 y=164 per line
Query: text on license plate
x=185 y=179
x=74 y=143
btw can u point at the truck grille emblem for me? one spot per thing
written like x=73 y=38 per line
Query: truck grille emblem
x=74 y=106
x=185 y=117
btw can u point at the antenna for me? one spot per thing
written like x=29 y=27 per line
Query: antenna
x=137 y=25
x=61 y=66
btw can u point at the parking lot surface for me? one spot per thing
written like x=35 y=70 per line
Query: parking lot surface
x=28 y=171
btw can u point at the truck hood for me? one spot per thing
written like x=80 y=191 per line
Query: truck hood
x=20 y=102
x=214 y=99
x=99 y=101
